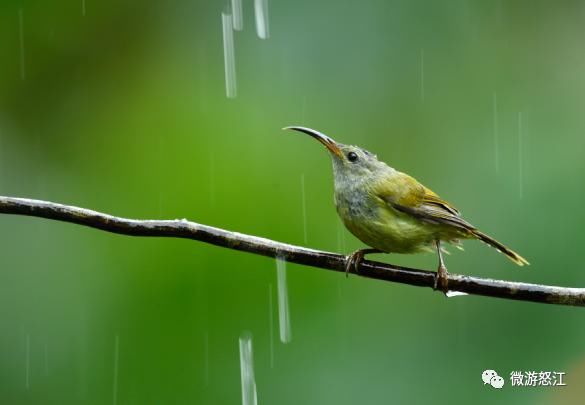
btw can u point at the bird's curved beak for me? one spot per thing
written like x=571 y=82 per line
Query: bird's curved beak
x=324 y=139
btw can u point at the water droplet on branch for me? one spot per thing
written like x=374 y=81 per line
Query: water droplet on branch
x=451 y=294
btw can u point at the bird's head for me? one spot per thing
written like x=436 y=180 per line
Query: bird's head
x=350 y=163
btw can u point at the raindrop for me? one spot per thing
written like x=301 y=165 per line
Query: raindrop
x=422 y=75
x=1 y=154
x=520 y=158
x=83 y=8
x=160 y=203
x=229 y=55
x=271 y=324
x=283 y=308
x=238 y=22
x=46 y=359
x=206 y=355
x=451 y=294
x=261 y=12
x=21 y=37
x=304 y=207
x=496 y=135
x=211 y=178
x=249 y=396
x=115 y=383
x=340 y=237
x=27 y=362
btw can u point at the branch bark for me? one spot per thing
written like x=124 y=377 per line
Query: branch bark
x=295 y=254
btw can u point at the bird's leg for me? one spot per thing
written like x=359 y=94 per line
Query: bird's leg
x=441 y=279
x=356 y=257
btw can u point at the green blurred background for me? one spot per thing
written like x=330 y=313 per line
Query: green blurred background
x=120 y=106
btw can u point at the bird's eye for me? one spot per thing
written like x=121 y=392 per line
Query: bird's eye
x=352 y=156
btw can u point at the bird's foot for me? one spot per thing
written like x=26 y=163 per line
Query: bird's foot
x=441 y=279
x=354 y=259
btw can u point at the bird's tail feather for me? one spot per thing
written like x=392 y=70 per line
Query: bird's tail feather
x=515 y=257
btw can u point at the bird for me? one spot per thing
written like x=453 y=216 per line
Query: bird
x=392 y=212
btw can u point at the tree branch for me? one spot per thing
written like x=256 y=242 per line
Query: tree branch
x=295 y=254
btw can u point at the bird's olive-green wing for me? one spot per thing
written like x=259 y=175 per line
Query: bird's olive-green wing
x=405 y=194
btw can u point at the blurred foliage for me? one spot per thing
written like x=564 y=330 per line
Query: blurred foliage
x=123 y=110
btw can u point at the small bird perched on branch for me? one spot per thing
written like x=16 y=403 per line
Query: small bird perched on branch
x=392 y=212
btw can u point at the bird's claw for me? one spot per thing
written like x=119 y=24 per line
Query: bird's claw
x=354 y=260
x=441 y=280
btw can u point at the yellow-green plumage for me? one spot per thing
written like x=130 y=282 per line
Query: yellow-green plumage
x=368 y=215
x=407 y=217
x=391 y=211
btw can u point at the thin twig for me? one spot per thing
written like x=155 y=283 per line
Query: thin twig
x=295 y=254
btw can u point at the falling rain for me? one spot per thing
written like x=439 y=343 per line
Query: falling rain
x=261 y=13
x=229 y=55
x=249 y=396
x=283 y=309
